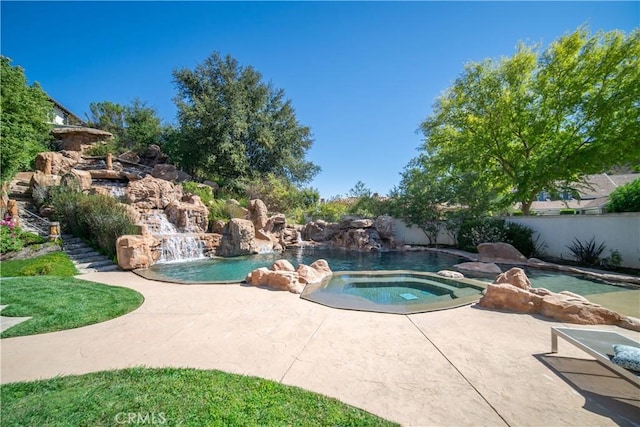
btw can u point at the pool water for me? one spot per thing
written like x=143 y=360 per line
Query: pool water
x=221 y=270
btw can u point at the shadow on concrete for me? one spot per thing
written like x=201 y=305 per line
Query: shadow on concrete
x=605 y=392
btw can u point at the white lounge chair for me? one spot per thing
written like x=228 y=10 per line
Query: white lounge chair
x=598 y=344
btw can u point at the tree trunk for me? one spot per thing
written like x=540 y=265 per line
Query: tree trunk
x=526 y=207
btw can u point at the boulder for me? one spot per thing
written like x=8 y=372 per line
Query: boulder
x=235 y=210
x=189 y=214
x=129 y=157
x=77 y=178
x=479 y=267
x=563 y=306
x=153 y=155
x=258 y=213
x=353 y=222
x=135 y=251
x=359 y=239
x=41 y=181
x=289 y=280
x=450 y=274
x=152 y=193
x=515 y=277
x=238 y=238
x=283 y=265
x=501 y=253
x=320 y=231
x=386 y=227
x=276 y=224
x=314 y=273
x=166 y=172
x=55 y=163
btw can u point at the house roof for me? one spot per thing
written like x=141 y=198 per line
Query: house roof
x=601 y=185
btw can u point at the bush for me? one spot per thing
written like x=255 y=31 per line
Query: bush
x=98 y=219
x=626 y=198
x=103 y=149
x=203 y=191
x=472 y=232
x=567 y=211
x=480 y=230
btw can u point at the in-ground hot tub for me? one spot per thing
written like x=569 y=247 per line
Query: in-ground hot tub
x=398 y=292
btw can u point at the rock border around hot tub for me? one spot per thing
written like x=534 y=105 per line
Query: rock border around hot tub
x=355 y=303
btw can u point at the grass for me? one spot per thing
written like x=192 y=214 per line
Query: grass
x=58 y=303
x=169 y=396
x=53 y=264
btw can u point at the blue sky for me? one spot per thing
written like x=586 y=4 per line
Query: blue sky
x=361 y=75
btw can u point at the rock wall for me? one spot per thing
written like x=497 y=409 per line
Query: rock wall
x=353 y=233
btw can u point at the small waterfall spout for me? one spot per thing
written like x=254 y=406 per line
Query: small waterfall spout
x=174 y=245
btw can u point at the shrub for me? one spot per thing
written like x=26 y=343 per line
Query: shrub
x=588 y=252
x=203 y=191
x=472 y=232
x=98 y=219
x=54 y=263
x=521 y=237
x=567 y=211
x=626 y=198
x=103 y=149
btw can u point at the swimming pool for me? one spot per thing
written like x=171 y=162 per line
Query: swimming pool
x=233 y=270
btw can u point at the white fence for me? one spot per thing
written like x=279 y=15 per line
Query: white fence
x=619 y=232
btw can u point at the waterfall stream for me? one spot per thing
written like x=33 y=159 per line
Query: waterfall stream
x=174 y=245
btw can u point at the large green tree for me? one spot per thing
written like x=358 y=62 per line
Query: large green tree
x=134 y=126
x=24 y=120
x=541 y=119
x=233 y=126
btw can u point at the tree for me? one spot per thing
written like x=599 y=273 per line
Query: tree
x=24 y=120
x=540 y=120
x=626 y=198
x=234 y=126
x=134 y=126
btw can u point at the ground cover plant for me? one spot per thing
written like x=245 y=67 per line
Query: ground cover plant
x=170 y=396
x=53 y=264
x=59 y=303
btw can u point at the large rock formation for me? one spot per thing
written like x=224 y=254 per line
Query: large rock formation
x=501 y=253
x=79 y=138
x=188 y=214
x=152 y=193
x=282 y=275
x=238 y=238
x=136 y=251
x=514 y=293
x=258 y=214
x=360 y=234
x=57 y=163
x=481 y=268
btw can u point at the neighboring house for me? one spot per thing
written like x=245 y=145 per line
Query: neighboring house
x=62 y=116
x=592 y=198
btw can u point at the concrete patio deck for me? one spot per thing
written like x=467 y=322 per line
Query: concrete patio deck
x=460 y=367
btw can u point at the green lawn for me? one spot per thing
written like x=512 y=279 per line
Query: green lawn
x=53 y=264
x=58 y=303
x=187 y=397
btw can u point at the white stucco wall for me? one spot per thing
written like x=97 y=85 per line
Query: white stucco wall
x=415 y=236
x=619 y=232
x=58 y=116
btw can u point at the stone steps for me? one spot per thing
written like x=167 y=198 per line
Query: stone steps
x=84 y=257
